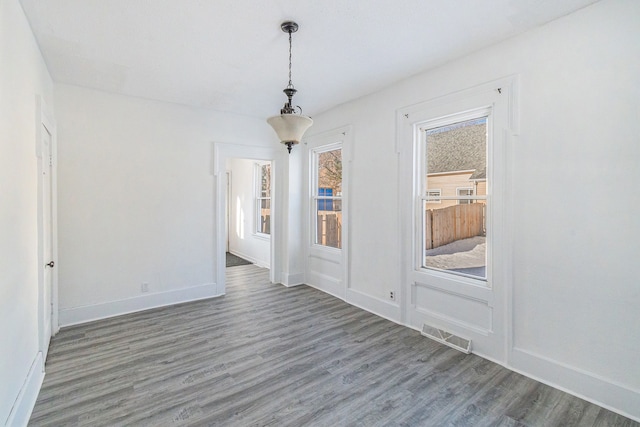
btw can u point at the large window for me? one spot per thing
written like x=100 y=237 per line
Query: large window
x=327 y=195
x=263 y=198
x=454 y=226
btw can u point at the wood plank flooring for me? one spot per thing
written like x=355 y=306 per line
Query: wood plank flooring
x=266 y=355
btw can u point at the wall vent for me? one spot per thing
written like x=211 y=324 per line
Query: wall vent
x=447 y=338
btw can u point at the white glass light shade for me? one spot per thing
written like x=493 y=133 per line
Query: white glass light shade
x=290 y=127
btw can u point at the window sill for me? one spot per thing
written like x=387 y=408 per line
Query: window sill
x=326 y=253
x=460 y=285
x=262 y=236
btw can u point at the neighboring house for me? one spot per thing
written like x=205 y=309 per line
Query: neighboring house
x=456 y=162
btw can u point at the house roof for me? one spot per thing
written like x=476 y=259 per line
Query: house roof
x=458 y=147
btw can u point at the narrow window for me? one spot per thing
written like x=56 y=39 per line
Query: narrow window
x=327 y=196
x=465 y=192
x=434 y=195
x=454 y=218
x=263 y=198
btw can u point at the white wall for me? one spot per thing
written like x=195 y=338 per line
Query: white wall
x=576 y=164
x=243 y=240
x=136 y=200
x=23 y=75
x=291 y=220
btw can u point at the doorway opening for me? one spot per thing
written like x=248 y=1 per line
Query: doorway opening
x=248 y=212
x=237 y=169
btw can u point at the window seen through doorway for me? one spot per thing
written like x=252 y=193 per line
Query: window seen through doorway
x=263 y=198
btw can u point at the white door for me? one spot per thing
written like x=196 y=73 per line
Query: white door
x=47 y=241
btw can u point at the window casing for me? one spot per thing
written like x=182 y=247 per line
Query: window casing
x=326 y=196
x=469 y=306
x=263 y=198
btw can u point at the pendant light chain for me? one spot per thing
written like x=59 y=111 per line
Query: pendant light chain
x=290 y=84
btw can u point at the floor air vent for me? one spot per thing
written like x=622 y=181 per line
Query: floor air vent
x=447 y=338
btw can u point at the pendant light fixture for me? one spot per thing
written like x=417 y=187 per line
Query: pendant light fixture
x=290 y=125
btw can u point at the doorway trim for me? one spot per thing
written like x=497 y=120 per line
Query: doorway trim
x=227 y=213
x=46 y=123
x=221 y=153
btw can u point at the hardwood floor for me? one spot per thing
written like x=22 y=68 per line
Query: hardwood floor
x=266 y=355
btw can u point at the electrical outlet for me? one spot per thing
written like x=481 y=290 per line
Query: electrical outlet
x=392 y=295
x=144 y=287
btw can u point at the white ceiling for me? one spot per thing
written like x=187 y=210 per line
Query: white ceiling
x=230 y=55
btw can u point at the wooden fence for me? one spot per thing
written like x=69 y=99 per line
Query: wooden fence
x=457 y=222
x=265 y=222
x=330 y=229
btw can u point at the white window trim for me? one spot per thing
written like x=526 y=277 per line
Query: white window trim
x=257 y=188
x=327 y=268
x=411 y=121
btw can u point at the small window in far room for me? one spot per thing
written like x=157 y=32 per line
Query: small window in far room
x=263 y=198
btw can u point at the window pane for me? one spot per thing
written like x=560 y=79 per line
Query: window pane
x=465 y=192
x=330 y=173
x=455 y=238
x=265 y=180
x=263 y=196
x=328 y=204
x=454 y=231
x=457 y=156
x=329 y=225
x=265 y=216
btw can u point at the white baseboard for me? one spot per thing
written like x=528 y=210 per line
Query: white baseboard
x=325 y=283
x=28 y=394
x=390 y=310
x=384 y=309
x=259 y=263
x=330 y=292
x=290 y=280
x=585 y=385
x=88 y=313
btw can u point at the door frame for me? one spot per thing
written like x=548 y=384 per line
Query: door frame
x=227 y=214
x=221 y=153
x=45 y=122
